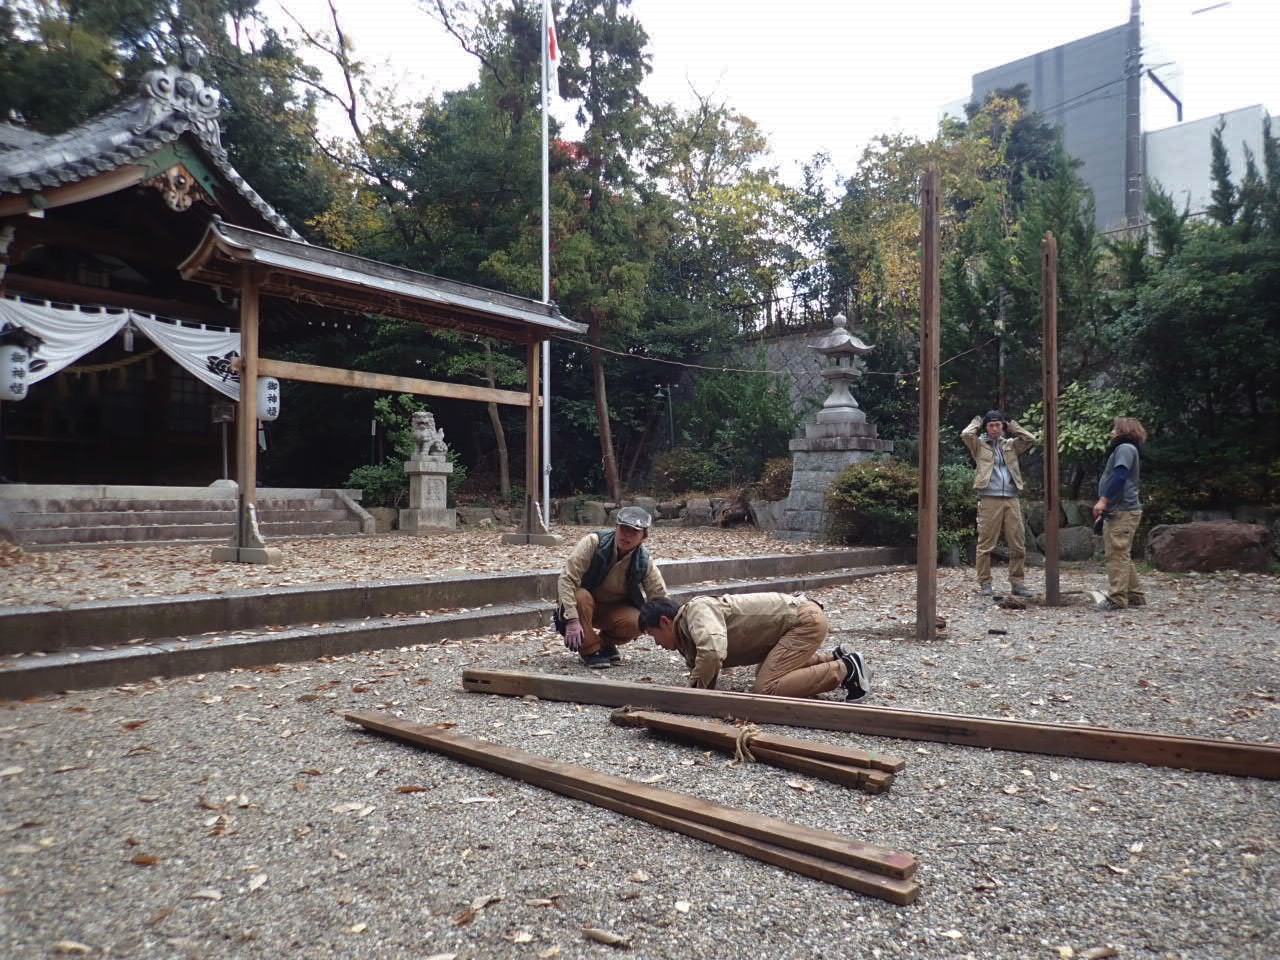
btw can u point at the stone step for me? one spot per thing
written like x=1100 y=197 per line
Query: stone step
x=107 y=622
x=136 y=518
x=26 y=506
x=155 y=532
x=25 y=674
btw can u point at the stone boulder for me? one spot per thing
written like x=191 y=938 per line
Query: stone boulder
x=697 y=513
x=768 y=514
x=593 y=513
x=476 y=517
x=385 y=519
x=1074 y=543
x=670 y=509
x=1210 y=545
x=1077 y=513
x=648 y=504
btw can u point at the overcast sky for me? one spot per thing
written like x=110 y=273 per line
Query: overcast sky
x=827 y=75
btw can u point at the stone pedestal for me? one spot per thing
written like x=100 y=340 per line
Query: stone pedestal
x=815 y=462
x=428 y=494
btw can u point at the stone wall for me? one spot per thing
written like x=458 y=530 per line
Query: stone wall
x=791 y=353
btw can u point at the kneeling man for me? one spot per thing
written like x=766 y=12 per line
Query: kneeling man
x=778 y=631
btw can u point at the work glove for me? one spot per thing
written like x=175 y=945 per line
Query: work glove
x=573 y=636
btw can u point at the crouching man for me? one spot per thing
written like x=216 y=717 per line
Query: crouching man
x=606 y=579
x=779 y=632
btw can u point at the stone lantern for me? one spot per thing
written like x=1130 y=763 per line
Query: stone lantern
x=840 y=435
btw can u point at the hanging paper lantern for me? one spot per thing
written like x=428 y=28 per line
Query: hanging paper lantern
x=268 y=398
x=14 y=361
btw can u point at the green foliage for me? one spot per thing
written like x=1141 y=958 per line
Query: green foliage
x=738 y=420
x=876 y=502
x=386 y=484
x=1085 y=416
x=775 y=479
x=684 y=468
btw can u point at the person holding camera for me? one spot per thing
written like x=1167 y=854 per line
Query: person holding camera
x=1120 y=510
x=995 y=442
x=605 y=581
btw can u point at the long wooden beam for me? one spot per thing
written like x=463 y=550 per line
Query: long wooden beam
x=901 y=892
x=287 y=370
x=556 y=774
x=1236 y=758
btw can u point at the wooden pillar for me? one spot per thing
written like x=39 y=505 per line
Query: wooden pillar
x=533 y=529
x=1049 y=353
x=930 y=300
x=247 y=545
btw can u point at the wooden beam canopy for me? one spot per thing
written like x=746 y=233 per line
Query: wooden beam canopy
x=336 y=376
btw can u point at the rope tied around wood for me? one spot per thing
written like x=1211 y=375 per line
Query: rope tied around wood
x=742 y=746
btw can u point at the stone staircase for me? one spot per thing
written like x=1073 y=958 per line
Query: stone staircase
x=52 y=516
x=109 y=642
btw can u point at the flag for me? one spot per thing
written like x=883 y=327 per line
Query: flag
x=553 y=55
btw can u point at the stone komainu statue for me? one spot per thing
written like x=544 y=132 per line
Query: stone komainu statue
x=428 y=439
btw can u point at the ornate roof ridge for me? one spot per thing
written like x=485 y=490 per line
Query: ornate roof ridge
x=171 y=101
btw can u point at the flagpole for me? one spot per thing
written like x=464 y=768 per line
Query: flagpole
x=546 y=267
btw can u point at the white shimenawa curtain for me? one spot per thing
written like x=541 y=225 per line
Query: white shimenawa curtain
x=69 y=332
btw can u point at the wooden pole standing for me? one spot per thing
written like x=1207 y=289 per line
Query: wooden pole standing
x=930 y=298
x=1049 y=352
x=246 y=544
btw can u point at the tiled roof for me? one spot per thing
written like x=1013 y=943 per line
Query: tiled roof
x=171 y=102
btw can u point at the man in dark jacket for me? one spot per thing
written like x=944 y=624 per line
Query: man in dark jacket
x=1121 y=509
x=605 y=581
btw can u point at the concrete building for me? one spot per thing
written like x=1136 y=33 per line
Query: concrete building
x=1090 y=89
x=1178 y=157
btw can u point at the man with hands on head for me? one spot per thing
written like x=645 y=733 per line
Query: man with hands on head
x=605 y=581
x=779 y=632
x=995 y=443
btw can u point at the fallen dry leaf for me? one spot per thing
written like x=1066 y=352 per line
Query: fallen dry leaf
x=257 y=881
x=521 y=936
x=800 y=785
x=551 y=951
x=145 y=860
x=71 y=946
x=208 y=893
x=412 y=788
x=360 y=928
x=607 y=937
x=639 y=877
x=1099 y=953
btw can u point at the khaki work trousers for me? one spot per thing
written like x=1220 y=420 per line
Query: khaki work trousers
x=997 y=515
x=605 y=624
x=794 y=668
x=1118 y=532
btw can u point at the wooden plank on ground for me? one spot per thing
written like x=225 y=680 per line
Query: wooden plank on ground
x=831 y=753
x=553 y=774
x=871 y=781
x=1236 y=758
x=901 y=892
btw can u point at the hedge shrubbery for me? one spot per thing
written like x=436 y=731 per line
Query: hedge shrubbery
x=875 y=503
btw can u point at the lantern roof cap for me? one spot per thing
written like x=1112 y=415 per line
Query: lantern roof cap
x=840 y=340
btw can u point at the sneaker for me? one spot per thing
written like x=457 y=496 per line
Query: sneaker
x=612 y=653
x=1021 y=590
x=985 y=591
x=1102 y=602
x=596 y=661
x=856 y=684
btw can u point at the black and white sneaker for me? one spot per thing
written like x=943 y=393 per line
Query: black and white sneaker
x=856 y=684
x=612 y=653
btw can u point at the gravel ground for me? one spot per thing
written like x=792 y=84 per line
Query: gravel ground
x=109 y=573
x=237 y=815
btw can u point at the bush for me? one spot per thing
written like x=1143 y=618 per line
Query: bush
x=386 y=484
x=775 y=479
x=684 y=468
x=876 y=502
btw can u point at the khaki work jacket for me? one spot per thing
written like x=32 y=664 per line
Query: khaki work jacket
x=731 y=631
x=985 y=457
x=613 y=588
